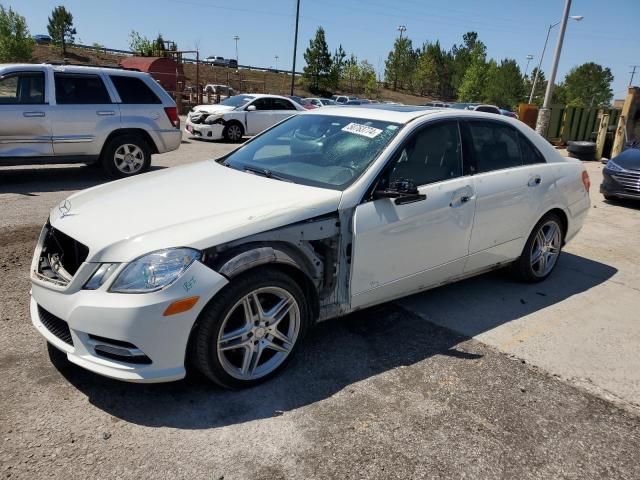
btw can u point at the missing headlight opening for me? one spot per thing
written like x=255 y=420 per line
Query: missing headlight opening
x=60 y=257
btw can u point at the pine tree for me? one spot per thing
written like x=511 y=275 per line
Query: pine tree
x=318 y=58
x=61 y=28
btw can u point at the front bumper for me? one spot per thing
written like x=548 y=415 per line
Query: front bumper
x=133 y=318
x=204 y=131
x=623 y=185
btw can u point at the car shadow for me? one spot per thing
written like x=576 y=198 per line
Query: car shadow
x=339 y=352
x=31 y=181
x=624 y=202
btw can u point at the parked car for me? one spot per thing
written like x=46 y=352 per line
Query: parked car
x=342 y=99
x=326 y=213
x=238 y=116
x=224 y=91
x=301 y=101
x=508 y=113
x=42 y=39
x=218 y=61
x=463 y=105
x=73 y=114
x=486 y=109
x=621 y=176
x=320 y=102
x=232 y=63
x=437 y=104
x=360 y=101
x=307 y=105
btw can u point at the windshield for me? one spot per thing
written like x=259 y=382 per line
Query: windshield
x=237 y=100
x=317 y=150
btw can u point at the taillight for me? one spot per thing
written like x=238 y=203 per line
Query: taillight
x=585 y=180
x=172 y=113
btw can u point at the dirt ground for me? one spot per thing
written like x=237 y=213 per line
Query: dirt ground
x=384 y=394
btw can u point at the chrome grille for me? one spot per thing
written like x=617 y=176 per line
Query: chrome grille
x=629 y=180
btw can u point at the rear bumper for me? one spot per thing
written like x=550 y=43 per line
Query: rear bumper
x=167 y=140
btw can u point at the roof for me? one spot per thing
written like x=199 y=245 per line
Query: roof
x=70 y=68
x=401 y=113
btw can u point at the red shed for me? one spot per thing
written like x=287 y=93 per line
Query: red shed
x=166 y=71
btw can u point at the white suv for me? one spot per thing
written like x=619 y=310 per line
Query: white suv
x=75 y=114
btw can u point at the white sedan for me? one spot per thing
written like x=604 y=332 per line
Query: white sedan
x=228 y=263
x=240 y=115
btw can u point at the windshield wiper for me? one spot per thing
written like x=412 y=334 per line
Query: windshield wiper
x=265 y=172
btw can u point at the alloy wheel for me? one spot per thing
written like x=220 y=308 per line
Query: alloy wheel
x=234 y=133
x=545 y=248
x=129 y=158
x=258 y=333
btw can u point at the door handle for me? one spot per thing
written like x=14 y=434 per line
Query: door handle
x=458 y=202
x=535 y=181
x=105 y=113
x=33 y=114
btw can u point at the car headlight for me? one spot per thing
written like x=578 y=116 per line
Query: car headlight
x=154 y=271
x=613 y=167
x=101 y=275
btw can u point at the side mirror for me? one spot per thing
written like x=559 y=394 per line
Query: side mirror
x=403 y=191
x=251 y=108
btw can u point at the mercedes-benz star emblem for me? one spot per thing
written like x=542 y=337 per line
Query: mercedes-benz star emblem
x=65 y=208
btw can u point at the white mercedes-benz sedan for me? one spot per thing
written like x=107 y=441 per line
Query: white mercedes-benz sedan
x=239 y=116
x=225 y=265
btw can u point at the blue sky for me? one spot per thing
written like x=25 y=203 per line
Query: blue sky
x=510 y=28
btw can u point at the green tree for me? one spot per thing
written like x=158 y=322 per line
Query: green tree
x=464 y=55
x=142 y=46
x=367 y=78
x=473 y=83
x=504 y=85
x=587 y=85
x=351 y=73
x=61 y=28
x=541 y=87
x=337 y=65
x=432 y=75
x=16 y=45
x=318 y=68
x=400 y=63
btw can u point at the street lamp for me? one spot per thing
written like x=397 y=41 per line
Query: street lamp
x=276 y=57
x=526 y=69
x=401 y=28
x=577 y=18
x=236 y=38
x=542 y=123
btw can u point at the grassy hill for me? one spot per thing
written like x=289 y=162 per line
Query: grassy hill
x=242 y=80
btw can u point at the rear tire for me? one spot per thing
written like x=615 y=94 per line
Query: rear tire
x=126 y=156
x=542 y=251
x=238 y=345
x=610 y=198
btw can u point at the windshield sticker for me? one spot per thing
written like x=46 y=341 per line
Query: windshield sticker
x=364 y=130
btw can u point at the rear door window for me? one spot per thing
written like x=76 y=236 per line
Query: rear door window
x=530 y=154
x=495 y=146
x=263 y=104
x=25 y=88
x=281 y=104
x=134 y=91
x=80 y=89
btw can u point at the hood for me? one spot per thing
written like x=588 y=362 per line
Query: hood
x=199 y=205
x=629 y=159
x=213 y=108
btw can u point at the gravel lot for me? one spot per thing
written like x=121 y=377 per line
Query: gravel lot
x=387 y=393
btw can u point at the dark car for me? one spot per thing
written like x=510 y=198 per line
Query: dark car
x=42 y=39
x=621 y=175
x=232 y=63
x=361 y=101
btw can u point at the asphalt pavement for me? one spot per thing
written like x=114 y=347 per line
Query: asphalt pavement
x=487 y=378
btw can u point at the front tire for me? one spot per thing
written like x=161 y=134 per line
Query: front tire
x=542 y=250
x=233 y=132
x=126 y=156
x=251 y=329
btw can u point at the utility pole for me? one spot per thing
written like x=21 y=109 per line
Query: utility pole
x=544 y=114
x=295 y=47
x=276 y=57
x=236 y=38
x=401 y=29
x=633 y=74
x=526 y=69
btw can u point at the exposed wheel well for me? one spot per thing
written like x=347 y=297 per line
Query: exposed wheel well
x=563 y=216
x=131 y=131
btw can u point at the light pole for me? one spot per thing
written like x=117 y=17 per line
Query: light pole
x=276 y=57
x=236 y=38
x=542 y=124
x=526 y=69
x=401 y=29
x=295 y=48
x=577 y=18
